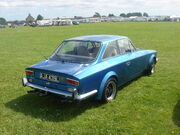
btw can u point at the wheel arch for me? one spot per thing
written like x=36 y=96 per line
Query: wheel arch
x=151 y=59
x=110 y=74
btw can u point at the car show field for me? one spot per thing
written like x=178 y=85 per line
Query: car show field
x=148 y=105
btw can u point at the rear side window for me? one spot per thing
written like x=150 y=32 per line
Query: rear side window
x=111 y=50
x=125 y=46
x=122 y=46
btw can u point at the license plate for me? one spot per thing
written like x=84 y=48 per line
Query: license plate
x=48 y=77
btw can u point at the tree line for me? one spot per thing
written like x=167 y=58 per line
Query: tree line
x=4 y=22
x=40 y=17
x=123 y=14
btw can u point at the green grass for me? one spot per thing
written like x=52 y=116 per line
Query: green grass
x=147 y=106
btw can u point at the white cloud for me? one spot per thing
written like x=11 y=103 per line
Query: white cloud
x=98 y=3
x=18 y=3
x=87 y=7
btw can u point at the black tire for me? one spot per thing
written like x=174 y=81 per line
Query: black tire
x=151 y=69
x=110 y=90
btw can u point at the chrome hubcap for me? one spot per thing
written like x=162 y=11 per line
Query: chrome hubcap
x=110 y=90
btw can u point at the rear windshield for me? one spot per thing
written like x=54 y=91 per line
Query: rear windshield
x=77 y=51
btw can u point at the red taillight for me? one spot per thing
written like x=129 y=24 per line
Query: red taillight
x=29 y=72
x=73 y=82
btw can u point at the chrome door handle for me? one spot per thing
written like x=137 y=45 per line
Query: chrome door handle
x=128 y=63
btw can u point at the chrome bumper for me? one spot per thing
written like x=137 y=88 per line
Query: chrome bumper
x=73 y=95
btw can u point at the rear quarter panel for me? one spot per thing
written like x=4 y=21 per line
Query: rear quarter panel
x=95 y=76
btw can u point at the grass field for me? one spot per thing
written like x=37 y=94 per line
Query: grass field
x=147 y=106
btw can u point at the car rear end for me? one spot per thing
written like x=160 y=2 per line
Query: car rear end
x=61 y=84
x=53 y=82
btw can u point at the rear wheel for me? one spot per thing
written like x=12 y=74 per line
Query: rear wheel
x=110 y=90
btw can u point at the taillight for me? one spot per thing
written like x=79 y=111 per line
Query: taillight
x=73 y=82
x=29 y=72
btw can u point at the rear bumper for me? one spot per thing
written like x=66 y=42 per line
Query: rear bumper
x=73 y=95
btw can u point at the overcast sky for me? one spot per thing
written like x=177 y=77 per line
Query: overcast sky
x=19 y=9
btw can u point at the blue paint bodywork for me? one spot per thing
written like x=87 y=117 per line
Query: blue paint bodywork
x=93 y=76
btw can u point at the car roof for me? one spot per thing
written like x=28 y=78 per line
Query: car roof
x=97 y=38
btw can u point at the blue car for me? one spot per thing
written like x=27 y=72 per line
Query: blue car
x=90 y=66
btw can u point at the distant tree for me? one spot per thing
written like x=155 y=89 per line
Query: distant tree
x=129 y=14
x=111 y=15
x=139 y=14
x=145 y=14
x=103 y=16
x=39 y=17
x=123 y=15
x=134 y=14
x=96 y=14
x=167 y=19
x=3 y=21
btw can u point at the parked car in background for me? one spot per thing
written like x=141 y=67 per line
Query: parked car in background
x=12 y=26
x=75 y=23
x=32 y=24
x=90 y=66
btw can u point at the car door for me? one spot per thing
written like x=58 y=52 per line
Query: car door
x=112 y=58
x=132 y=59
x=126 y=59
x=138 y=59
